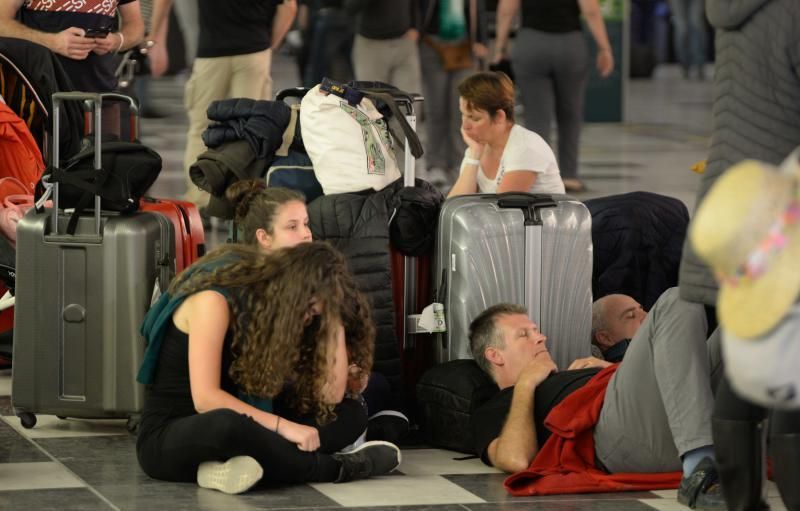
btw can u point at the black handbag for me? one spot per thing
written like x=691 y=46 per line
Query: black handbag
x=128 y=170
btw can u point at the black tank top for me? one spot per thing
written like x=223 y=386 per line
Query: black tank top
x=551 y=15
x=170 y=395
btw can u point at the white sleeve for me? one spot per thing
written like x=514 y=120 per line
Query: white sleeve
x=527 y=151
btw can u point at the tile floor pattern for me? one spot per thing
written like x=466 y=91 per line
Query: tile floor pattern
x=87 y=465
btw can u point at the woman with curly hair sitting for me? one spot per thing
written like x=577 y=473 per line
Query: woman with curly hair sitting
x=224 y=340
x=272 y=218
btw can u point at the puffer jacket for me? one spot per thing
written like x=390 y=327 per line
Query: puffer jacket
x=756 y=111
x=261 y=123
x=637 y=240
x=358 y=224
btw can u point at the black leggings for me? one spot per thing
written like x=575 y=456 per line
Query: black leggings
x=174 y=451
x=729 y=406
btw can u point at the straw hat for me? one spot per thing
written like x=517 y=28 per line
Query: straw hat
x=748 y=231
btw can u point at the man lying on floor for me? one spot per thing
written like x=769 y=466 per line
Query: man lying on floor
x=656 y=413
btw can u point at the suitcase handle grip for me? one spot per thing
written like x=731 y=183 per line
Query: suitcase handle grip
x=293 y=92
x=529 y=203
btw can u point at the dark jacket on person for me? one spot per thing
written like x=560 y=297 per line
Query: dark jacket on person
x=429 y=10
x=261 y=123
x=637 y=240
x=382 y=19
x=756 y=110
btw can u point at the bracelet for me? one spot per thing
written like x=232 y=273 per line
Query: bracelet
x=471 y=161
x=121 y=41
x=601 y=50
x=277 y=423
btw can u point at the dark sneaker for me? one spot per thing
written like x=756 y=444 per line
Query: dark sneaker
x=701 y=489
x=388 y=425
x=236 y=475
x=370 y=459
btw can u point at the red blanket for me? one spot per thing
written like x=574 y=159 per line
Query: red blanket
x=566 y=462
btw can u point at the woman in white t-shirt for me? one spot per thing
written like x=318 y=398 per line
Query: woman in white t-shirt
x=501 y=156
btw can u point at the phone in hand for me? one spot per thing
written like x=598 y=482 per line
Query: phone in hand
x=97 y=33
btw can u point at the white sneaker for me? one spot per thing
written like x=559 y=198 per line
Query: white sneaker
x=236 y=475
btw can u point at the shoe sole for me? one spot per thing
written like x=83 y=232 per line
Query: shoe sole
x=236 y=475
x=381 y=442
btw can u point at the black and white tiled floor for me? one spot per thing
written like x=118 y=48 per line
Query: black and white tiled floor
x=86 y=465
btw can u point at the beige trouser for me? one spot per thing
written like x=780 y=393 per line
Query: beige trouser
x=393 y=61
x=239 y=76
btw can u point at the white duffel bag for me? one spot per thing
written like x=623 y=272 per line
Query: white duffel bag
x=350 y=146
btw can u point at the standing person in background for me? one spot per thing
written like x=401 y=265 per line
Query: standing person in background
x=551 y=65
x=689 y=39
x=84 y=35
x=385 y=47
x=447 y=24
x=234 y=58
x=759 y=121
x=328 y=40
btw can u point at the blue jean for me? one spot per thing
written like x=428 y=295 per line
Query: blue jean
x=688 y=18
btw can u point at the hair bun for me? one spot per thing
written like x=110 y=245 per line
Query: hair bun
x=241 y=193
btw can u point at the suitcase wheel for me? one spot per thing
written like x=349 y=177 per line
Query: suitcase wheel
x=27 y=419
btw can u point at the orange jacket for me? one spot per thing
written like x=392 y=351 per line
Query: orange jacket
x=19 y=155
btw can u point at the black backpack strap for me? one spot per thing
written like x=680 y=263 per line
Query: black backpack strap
x=91 y=181
x=388 y=99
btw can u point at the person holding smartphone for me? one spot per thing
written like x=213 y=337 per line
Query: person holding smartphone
x=84 y=35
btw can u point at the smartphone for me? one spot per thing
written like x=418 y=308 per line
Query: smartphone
x=97 y=33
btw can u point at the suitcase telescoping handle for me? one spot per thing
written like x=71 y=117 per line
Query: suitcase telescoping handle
x=531 y=204
x=292 y=92
x=95 y=100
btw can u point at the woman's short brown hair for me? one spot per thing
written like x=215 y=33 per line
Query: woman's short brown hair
x=490 y=91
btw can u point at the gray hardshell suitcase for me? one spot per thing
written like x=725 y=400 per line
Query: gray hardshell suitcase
x=532 y=250
x=80 y=302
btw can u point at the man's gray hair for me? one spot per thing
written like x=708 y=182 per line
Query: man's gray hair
x=599 y=320
x=483 y=333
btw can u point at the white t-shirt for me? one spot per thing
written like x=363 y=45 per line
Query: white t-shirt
x=524 y=151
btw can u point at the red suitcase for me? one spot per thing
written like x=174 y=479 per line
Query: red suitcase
x=189 y=234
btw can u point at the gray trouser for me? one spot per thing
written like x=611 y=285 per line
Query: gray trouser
x=393 y=61
x=445 y=146
x=551 y=71
x=658 y=405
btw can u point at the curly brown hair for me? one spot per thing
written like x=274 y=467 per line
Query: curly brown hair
x=271 y=306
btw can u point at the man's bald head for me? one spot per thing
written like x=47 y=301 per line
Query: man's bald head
x=614 y=318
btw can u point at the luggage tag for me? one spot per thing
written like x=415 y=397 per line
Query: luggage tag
x=431 y=320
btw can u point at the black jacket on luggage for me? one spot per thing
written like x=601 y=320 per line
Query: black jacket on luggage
x=638 y=239
x=358 y=224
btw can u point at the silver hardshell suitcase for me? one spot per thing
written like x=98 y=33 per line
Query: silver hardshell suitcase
x=80 y=302
x=532 y=250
